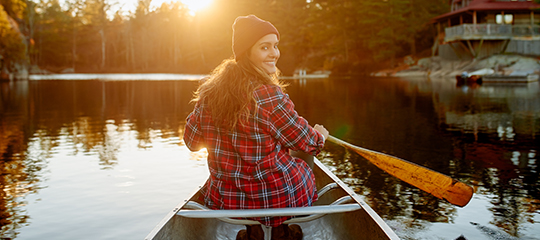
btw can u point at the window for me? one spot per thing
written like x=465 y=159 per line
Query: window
x=504 y=19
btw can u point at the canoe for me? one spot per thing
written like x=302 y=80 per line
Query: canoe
x=339 y=213
x=468 y=79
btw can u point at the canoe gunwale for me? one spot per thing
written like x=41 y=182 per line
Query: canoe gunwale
x=172 y=213
x=382 y=224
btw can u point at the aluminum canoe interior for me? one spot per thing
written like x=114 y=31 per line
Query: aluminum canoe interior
x=362 y=222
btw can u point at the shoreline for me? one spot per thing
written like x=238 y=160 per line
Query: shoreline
x=435 y=67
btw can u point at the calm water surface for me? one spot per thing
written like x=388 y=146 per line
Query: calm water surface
x=104 y=159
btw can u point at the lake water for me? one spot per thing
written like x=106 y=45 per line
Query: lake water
x=101 y=156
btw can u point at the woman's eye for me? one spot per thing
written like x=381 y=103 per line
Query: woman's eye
x=265 y=48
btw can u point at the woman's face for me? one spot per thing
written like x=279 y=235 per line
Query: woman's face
x=265 y=53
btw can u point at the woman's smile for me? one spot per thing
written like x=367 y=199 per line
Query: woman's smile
x=265 y=53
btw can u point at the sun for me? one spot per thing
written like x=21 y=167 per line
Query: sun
x=196 y=5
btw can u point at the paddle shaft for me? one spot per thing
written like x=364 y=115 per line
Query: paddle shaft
x=437 y=184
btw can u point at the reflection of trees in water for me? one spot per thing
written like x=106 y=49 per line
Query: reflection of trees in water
x=109 y=146
x=489 y=138
x=20 y=169
x=20 y=175
x=509 y=212
x=83 y=134
x=504 y=169
x=513 y=193
x=507 y=176
x=496 y=135
x=83 y=117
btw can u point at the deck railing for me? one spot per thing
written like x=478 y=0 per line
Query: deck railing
x=489 y=31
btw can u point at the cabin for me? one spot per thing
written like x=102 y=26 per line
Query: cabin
x=480 y=28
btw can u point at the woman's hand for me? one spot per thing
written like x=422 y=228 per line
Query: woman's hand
x=321 y=130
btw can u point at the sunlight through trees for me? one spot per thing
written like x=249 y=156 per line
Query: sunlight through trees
x=85 y=36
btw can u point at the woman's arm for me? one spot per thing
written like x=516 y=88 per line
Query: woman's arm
x=292 y=130
x=193 y=136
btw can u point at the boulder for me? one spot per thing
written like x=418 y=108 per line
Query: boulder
x=68 y=70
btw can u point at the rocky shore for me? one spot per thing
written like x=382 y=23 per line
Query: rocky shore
x=435 y=67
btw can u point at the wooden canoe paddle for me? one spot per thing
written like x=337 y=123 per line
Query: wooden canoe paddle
x=437 y=184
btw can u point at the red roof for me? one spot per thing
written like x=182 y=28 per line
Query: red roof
x=491 y=5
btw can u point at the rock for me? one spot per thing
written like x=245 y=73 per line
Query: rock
x=21 y=72
x=505 y=64
x=34 y=69
x=425 y=63
x=408 y=60
x=68 y=70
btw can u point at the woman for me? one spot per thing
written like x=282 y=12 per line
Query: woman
x=248 y=126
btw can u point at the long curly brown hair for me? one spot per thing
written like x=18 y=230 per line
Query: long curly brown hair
x=228 y=92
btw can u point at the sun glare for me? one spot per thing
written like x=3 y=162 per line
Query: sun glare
x=196 y=5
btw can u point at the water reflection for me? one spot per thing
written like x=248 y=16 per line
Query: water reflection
x=487 y=136
x=18 y=172
x=39 y=119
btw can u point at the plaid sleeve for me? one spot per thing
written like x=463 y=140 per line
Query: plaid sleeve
x=290 y=129
x=193 y=136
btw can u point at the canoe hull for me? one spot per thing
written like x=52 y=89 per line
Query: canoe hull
x=360 y=224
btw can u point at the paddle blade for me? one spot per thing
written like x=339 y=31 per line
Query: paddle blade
x=437 y=184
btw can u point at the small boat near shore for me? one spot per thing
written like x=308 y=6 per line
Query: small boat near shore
x=476 y=76
x=338 y=214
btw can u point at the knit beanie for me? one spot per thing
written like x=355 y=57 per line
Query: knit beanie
x=247 y=30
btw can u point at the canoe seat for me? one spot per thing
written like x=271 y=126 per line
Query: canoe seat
x=305 y=213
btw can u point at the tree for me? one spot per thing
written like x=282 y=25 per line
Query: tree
x=340 y=33
x=290 y=17
x=357 y=34
x=391 y=27
x=14 y=8
x=75 y=8
x=95 y=16
x=140 y=23
x=52 y=35
x=346 y=36
x=12 y=48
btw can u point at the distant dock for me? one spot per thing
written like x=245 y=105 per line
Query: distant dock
x=496 y=78
x=301 y=74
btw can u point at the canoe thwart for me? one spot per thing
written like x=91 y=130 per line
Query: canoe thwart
x=269 y=212
x=310 y=217
x=313 y=212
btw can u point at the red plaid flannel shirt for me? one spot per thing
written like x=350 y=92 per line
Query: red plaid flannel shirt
x=250 y=167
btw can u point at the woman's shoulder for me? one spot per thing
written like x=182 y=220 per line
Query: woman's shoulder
x=268 y=92
x=269 y=96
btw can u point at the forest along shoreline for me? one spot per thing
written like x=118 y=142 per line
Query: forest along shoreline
x=436 y=67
